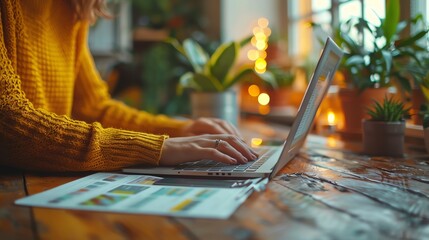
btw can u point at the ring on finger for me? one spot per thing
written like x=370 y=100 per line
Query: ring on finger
x=217 y=143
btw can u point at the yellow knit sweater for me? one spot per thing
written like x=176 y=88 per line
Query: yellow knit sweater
x=55 y=111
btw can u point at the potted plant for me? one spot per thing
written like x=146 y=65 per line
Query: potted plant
x=383 y=133
x=280 y=89
x=368 y=71
x=212 y=78
x=418 y=71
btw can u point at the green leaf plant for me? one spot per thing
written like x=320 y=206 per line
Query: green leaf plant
x=390 y=110
x=215 y=73
x=391 y=59
x=280 y=78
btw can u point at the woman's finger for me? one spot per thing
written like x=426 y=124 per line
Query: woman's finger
x=228 y=128
x=242 y=147
x=226 y=148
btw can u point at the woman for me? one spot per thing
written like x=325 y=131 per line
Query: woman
x=56 y=114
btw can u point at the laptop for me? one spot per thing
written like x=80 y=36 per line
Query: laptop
x=272 y=158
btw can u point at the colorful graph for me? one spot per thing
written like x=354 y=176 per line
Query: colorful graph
x=103 y=200
x=128 y=189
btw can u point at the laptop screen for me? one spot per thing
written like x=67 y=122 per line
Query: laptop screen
x=316 y=90
x=316 y=97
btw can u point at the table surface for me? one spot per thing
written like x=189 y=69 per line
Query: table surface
x=329 y=191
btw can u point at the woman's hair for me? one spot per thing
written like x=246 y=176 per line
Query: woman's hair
x=90 y=10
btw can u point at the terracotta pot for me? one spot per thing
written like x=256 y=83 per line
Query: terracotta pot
x=426 y=137
x=354 y=106
x=383 y=138
x=285 y=97
x=417 y=99
x=280 y=97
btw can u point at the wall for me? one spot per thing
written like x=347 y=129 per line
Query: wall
x=238 y=17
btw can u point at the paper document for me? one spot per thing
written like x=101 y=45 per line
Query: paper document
x=110 y=192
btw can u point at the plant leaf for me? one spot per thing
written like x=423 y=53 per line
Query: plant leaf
x=222 y=60
x=411 y=40
x=175 y=43
x=186 y=81
x=391 y=21
x=207 y=83
x=388 y=59
x=355 y=60
x=269 y=78
x=245 y=41
x=237 y=77
x=195 y=54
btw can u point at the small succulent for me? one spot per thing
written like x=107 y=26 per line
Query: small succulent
x=390 y=110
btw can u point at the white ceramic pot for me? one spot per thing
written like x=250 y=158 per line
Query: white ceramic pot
x=223 y=105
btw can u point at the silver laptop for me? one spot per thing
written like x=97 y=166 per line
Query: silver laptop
x=272 y=158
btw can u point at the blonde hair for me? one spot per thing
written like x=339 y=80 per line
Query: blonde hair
x=90 y=10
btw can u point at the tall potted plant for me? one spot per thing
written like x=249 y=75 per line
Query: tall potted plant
x=383 y=133
x=212 y=79
x=368 y=71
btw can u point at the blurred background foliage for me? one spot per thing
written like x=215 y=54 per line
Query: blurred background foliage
x=148 y=81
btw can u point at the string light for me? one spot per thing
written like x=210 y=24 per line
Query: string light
x=254 y=90
x=263 y=99
x=259 y=41
x=261 y=33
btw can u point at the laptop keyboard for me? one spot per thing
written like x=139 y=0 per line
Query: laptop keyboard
x=213 y=166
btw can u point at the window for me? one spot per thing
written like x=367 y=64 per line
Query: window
x=304 y=41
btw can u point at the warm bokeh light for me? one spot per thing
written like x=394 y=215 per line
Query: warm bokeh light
x=253 y=54
x=260 y=42
x=331 y=118
x=331 y=142
x=257 y=30
x=263 y=22
x=261 y=63
x=264 y=109
x=263 y=99
x=253 y=90
x=253 y=41
x=261 y=45
x=267 y=31
x=260 y=36
x=260 y=71
x=256 y=142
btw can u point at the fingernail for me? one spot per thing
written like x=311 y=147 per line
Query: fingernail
x=254 y=157
x=233 y=161
x=244 y=159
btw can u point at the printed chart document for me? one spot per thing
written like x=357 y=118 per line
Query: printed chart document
x=111 y=192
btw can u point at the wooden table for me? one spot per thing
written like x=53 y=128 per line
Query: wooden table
x=327 y=192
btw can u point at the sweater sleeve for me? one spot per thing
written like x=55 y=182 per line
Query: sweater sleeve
x=35 y=139
x=92 y=101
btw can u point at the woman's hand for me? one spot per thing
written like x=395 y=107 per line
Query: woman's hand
x=224 y=148
x=209 y=126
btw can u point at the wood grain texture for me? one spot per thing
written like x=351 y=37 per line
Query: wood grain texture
x=324 y=193
x=15 y=221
